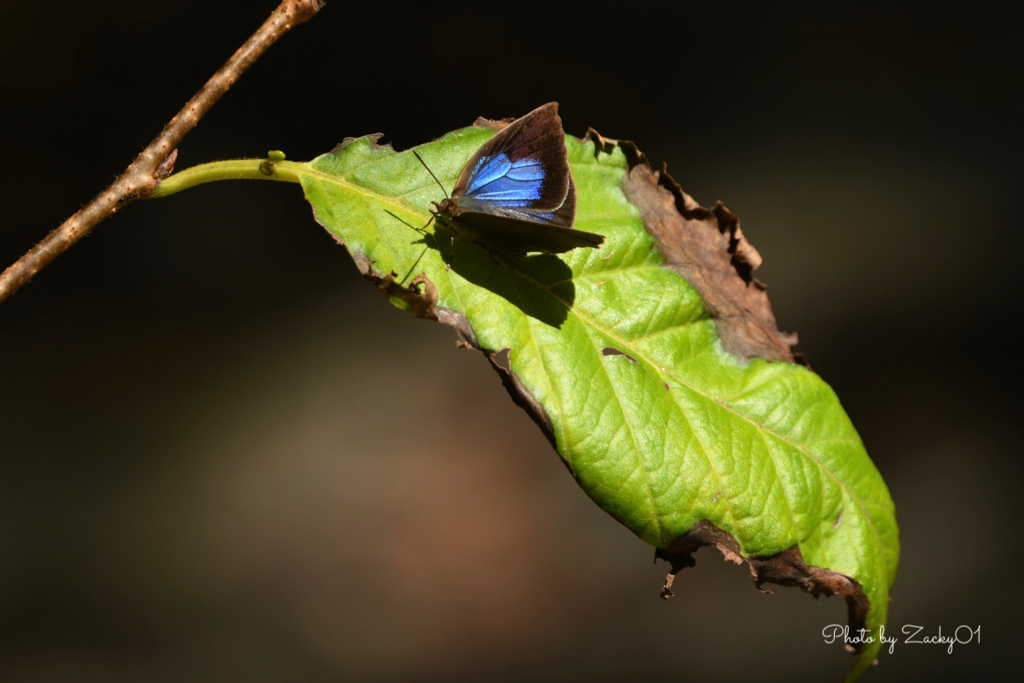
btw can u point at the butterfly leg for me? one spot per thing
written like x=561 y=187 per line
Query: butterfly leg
x=448 y=228
x=451 y=250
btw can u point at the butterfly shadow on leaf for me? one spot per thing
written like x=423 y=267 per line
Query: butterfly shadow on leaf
x=538 y=284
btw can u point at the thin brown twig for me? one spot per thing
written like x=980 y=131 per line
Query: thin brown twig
x=157 y=160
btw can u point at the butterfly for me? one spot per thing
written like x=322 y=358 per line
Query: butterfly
x=516 y=194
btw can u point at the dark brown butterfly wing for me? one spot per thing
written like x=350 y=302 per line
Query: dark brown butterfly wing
x=519 y=237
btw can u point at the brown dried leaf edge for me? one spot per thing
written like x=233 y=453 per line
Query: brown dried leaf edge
x=707 y=248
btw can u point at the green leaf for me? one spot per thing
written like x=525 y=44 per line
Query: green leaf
x=659 y=409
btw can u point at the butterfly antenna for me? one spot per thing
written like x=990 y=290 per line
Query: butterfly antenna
x=431 y=173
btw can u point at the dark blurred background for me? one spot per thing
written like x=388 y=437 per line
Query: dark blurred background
x=225 y=457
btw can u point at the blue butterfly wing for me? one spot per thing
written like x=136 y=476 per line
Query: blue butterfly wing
x=499 y=183
x=502 y=181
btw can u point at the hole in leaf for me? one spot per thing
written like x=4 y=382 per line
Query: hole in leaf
x=609 y=351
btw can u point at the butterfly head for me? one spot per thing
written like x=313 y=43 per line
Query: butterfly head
x=445 y=207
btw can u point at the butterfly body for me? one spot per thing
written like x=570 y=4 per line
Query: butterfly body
x=516 y=194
